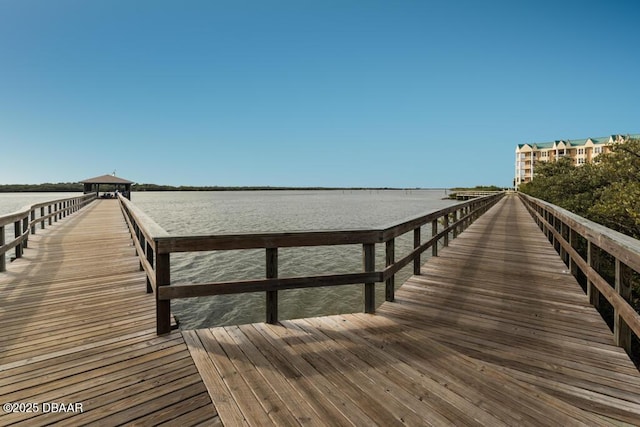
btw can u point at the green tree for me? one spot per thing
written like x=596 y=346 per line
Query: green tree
x=565 y=185
x=606 y=191
x=618 y=203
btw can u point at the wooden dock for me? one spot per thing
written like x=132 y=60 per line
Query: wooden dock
x=495 y=331
x=79 y=328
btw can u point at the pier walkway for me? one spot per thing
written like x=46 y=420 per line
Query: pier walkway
x=78 y=328
x=495 y=331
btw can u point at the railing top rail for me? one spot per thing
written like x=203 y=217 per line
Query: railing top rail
x=618 y=244
x=395 y=229
x=15 y=216
x=485 y=192
x=151 y=229
x=50 y=202
x=24 y=211
x=234 y=241
x=255 y=240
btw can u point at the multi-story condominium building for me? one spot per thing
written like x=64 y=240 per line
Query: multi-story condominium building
x=580 y=151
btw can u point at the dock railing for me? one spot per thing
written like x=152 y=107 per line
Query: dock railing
x=155 y=246
x=26 y=220
x=606 y=260
x=470 y=194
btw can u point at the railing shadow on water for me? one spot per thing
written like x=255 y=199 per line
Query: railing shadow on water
x=154 y=247
x=605 y=262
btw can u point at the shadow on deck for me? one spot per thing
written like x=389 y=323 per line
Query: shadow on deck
x=78 y=328
x=495 y=331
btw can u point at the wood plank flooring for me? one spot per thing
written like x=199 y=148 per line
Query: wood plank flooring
x=79 y=327
x=493 y=332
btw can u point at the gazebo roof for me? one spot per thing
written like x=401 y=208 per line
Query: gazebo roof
x=106 y=179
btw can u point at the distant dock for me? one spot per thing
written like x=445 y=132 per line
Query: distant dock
x=472 y=194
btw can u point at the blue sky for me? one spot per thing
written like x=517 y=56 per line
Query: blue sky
x=307 y=93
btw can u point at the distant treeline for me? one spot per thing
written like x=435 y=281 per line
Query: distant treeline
x=46 y=187
x=73 y=187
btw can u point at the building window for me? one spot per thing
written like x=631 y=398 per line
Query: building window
x=580 y=161
x=597 y=150
x=580 y=150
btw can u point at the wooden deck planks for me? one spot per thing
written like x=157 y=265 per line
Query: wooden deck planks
x=494 y=332
x=501 y=294
x=79 y=327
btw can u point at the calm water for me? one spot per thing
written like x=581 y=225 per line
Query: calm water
x=11 y=202
x=185 y=213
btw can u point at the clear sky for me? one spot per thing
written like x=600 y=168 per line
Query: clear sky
x=307 y=93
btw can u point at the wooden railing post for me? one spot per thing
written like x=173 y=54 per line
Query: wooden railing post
x=143 y=245
x=136 y=231
x=416 y=242
x=272 y=296
x=592 y=291
x=49 y=213
x=434 y=231
x=589 y=284
x=621 y=330
x=149 y=253
x=163 y=307
x=390 y=250
x=573 y=237
x=465 y=212
x=446 y=225
x=455 y=228
x=25 y=229
x=561 y=231
x=33 y=223
x=42 y=216
x=3 y=256
x=369 y=261
x=18 y=233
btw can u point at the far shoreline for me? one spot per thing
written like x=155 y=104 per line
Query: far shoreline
x=70 y=188
x=74 y=187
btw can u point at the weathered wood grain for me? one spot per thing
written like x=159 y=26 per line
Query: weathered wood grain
x=79 y=327
x=495 y=331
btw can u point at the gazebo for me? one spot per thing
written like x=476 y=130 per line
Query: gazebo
x=93 y=184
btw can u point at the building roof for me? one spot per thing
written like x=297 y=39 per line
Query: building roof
x=106 y=179
x=578 y=142
x=544 y=144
